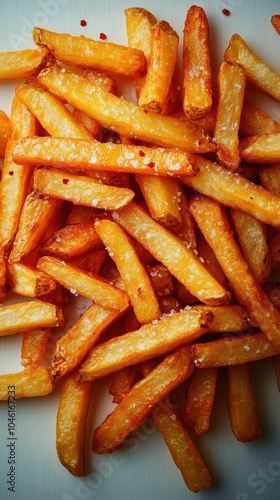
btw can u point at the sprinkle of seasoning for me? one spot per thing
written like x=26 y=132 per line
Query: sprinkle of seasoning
x=151 y=164
x=102 y=36
x=65 y=181
x=141 y=153
x=83 y=22
x=11 y=173
x=226 y=12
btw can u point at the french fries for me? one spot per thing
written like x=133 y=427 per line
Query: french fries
x=27 y=383
x=22 y=63
x=4 y=131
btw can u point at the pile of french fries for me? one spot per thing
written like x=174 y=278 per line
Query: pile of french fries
x=163 y=213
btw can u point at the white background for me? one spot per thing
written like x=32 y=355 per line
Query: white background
x=144 y=469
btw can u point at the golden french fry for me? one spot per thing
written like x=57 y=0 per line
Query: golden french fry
x=228 y=318
x=141 y=400
x=186 y=231
x=24 y=316
x=199 y=399
x=257 y=71
x=80 y=282
x=5 y=125
x=80 y=189
x=243 y=416
x=133 y=274
x=33 y=345
x=253 y=242
x=124 y=117
x=162 y=280
x=275 y=21
x=83 y=154
x=231 y=88
x=71 y=424
x=270 y=178
x=197 y=85
x=171 y=251
x=91 y=261
x=212 y=220
x=151 y=340
x=94 y=54
x=26 y=384
x=22 y=63
x=28 y=281
x=121 y=382
x=209 y=258
x=262 y=148
x=163 y=58
x=234 y=191
x=254 y=121
x=234 y=350
x=138 y=29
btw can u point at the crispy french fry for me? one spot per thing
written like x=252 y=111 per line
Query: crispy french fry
x=213 y=222
x=234 y=191
x=162 y=197
x=270 y=178
x=233 y=350
x=71 y=424
x=138 y=29
x=243 y=416
x=162 y=279
x=22 y=63
x=254 y=121
x=94 y=54
x=141 y=400
x=253 y=242
x=262 y=148
x=257 y=71
x=171 y=251
x=80 y=282
x=80 y=189
x=124 y=117
x=154 y=339
x=81 y=154
x=33 y=345
x=186 y=232
x=197 y=85
x=4 y=132
x=163 y=58
x=28 y=281
x=27 y=384
x=121 y=382
x=228 y=318
x=133 y=274
x=91 y=262
x=231 y=88
x=207 y=255
x=199 y=399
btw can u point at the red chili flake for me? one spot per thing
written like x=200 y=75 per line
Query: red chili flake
x=226 y=12
x=102 y=36
x=65 y=181
x=83 y=22
x=11 y=173
x=141 y=153
x=151 y=164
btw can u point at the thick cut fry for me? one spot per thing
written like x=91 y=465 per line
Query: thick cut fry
x=28 y=281
x=212 y=220
x=186 y=232
x=81 y=154
x=26 y=384
x=5 y=125
x=233 y=350
x=182 y=448
x=231 y=88
x=24 y=316
x=234 y=191
x=138 y=29
x=141 y=400
x=171 y=251
x=252 y=239
x=163 y=57
x=22 y=63
x=33 y=345
x=257 y=71
x=94 y=54
x=124 y=117
x=37 y=214
x=228 y=318
x=80 y=282
x=73 y=240
x=15 y=178
x=80 y=189
x=133 y=274
x=162 y=197
x=254 y=121
x=71 y=424
x=243 y=416
x=262 y=148
x=197 y=85
x=199 y=399
x=155 y=339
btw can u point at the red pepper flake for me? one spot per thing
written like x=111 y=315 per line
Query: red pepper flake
x=226 y=12
x=11 y=173
x=102 y=36
x=151 y=164
x=65 y=181
x=83 y=22
x=141 y=153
